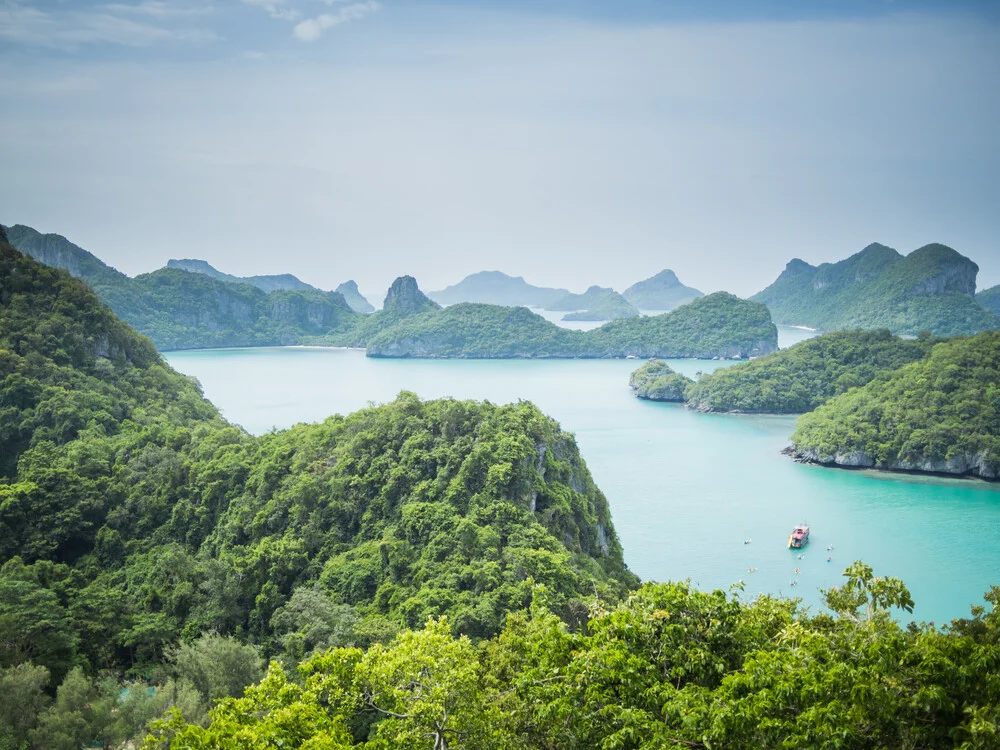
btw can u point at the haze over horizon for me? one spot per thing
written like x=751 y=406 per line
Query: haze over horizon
x=569 y=143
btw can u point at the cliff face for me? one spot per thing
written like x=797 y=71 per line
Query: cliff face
x=405 y=297
x=964 y=464
x=56 y=251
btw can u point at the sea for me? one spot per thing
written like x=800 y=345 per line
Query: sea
x=702 y=497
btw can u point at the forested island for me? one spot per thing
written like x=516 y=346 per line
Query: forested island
x=932 y=289
x=656 y=381
x=719 y=325
x=419 y=574
x=664 y=291
x=800 y=378
x=203 y=308
x=940 y=415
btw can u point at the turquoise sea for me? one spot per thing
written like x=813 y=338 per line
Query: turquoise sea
x=686 y=490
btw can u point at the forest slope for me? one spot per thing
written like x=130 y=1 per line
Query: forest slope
x=931 y=289
x=800 y=378
x=940 y=414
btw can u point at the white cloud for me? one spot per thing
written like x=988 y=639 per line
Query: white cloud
x=313 y=28
x=276 y=9
x=108 y=24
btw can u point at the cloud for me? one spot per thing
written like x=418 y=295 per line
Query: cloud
x=276 y=9
x=108 y=24
x=313 y=28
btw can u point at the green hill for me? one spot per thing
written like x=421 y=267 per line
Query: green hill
x=990 y=299
x=592 y=298
x=134 y=516
x=720 y=325
x=931 y=289
x=800 y=378
x=940 y=414
x=664 y=291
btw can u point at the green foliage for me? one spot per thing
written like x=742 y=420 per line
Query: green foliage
x=990 y=299
x=608 y=306
x=656 y=381
x=930 y=289
x=719 y=325
x=668 y=667
x=941 y=414
x=22 y=699
x=217 y=666
x=800 y=378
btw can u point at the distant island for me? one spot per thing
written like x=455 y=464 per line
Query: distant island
x=656 y=381
x=181 y=309
x=661 y=292
x=497 y=288
x=597 y=303
x=931 y=289
x=284 y=281
x=940 y=414
x=664 y=291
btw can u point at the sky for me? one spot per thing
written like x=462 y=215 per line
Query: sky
x=573 y=143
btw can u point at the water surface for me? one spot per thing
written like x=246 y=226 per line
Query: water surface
x=686 y=489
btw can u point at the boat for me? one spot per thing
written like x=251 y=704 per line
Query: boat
x=799 y=536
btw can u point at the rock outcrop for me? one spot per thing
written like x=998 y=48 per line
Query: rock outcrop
x=405 y=297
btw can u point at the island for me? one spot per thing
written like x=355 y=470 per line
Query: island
x=664 y=291
x=938 y=415
x=932 y=289
x=657 y=381
x=800 y=378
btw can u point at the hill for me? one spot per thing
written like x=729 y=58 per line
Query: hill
x=800 y=378
x=178 y=309
x=940 y=414
x=720 y=325
x=990 y=299
x=931 y=289
x=607 y=307
x=664 y=291
x=349 y=291
x=134 y=517
x=594 y=296
x=497 y=288
x=267 y=283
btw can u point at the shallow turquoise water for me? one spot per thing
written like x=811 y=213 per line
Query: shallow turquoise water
x=685 y=489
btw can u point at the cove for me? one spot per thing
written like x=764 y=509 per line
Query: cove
x=686 y=489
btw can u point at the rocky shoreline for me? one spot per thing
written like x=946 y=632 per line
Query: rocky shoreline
x=967 y=466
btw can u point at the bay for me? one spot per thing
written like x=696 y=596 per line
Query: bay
x=686 y=490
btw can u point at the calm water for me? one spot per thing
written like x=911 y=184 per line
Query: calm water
x=685 y=489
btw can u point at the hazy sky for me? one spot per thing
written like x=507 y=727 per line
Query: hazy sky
x=570 y=142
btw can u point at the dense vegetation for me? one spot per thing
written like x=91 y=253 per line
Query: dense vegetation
x=136 y=523
x=664 y=291
x=939 y=414
x=671 y=667
x=656 y=381
x=719 y=325
x=931 y=289
x=179 y=309
x=800 y=378
x=990 y=299
x=153 y=557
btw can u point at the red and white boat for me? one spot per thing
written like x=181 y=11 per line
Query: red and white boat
x=798 y=537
